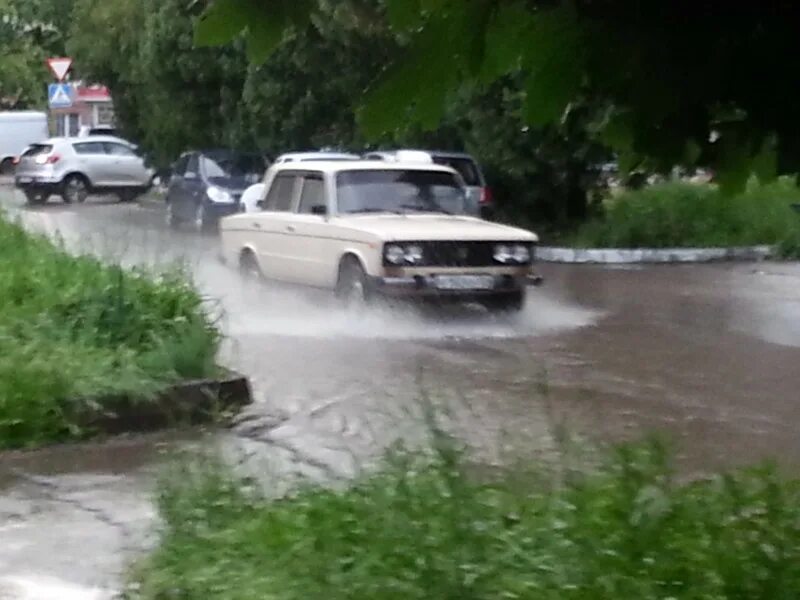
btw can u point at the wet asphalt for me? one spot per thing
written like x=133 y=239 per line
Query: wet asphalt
x=707 y=355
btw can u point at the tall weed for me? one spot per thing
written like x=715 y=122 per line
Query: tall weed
x=424 y=528
x=688 y=215
x=72 y=327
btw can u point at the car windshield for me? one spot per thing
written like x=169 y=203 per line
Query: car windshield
x=399 y=191
x=465 y=167
x=232 y=169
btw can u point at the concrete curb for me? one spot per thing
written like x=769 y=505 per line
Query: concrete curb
x=611 y=256
x=186 y=403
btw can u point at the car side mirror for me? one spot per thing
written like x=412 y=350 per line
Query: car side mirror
x=261 y=204
x=319 y=209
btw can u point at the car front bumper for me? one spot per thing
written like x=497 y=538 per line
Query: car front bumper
x=427 y=286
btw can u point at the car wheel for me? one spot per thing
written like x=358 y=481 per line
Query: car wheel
x=201 y=220
x=248 y=266
x=7 y=167
x=507 y=303
x=74 y=189
x=127 y=195
x=35 y=197
x=173 y=222
x=352 y=289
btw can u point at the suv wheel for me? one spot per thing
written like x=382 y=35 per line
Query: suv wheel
x=35 y=197
x=127 y=195
x=74 y=188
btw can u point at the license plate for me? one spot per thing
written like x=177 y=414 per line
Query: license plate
x=464 y=282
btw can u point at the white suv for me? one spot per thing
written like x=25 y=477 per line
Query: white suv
x=76 y=167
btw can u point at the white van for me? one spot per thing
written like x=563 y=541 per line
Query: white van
x=18 y=130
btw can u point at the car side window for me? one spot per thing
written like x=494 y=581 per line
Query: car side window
x=89 y=148
x=313 y=193
x=281 y=193
x=118 y=149
x=193 y=166
x=180 y=166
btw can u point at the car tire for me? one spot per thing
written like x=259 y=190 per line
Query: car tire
x=352 y=287
x=7 y=167
x=173 y=222
x=127 y=195
x=74 y=188
x=35 y=198
x=202 y=222
x=248 y=266
x=512 y=302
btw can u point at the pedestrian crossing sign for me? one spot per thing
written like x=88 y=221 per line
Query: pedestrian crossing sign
x=59 y=95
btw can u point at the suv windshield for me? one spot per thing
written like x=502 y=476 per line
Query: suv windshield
x=232 y=169
x=399 y=191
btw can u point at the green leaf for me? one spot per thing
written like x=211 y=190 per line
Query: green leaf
x=404 y=15
x=505 y=40
x=554 y=58
x=222 y=22
x=263 y=36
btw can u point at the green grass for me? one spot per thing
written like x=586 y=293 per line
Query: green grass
x=423 y=528
x=74 y=330
x=688 y=215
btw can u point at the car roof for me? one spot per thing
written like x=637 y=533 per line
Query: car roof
x=360 y=165
x=432 y=153
x=88 y=138
x=307 y=156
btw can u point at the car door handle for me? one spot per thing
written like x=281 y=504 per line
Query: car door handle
x=257 y=225
x=290 y=228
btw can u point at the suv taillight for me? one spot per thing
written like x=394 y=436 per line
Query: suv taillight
x=15 y=161
x=486 y=196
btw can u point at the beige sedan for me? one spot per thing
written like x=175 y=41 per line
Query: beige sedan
x=366 y=229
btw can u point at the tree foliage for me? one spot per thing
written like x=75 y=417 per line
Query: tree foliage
x=669 y=82
x=172 y=95
x=30 y=32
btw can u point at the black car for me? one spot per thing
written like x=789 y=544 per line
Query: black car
x=206 y=186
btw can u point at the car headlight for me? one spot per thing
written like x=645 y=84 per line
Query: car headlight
x=521 y=254
x=414 y=254
x=395 y=254
x=503 y=253
x=512 y=253
x=398 y=254
x=217 y=195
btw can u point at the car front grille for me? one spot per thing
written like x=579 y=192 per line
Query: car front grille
x=457 y=254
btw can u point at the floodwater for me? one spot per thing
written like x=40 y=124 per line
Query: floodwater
x=705 y=354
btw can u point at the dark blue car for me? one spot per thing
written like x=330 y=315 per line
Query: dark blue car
x=206 y=186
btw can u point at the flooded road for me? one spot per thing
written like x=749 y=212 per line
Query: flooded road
x=707 y=354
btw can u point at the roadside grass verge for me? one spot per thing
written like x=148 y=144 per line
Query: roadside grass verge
x=74 y=330
x=426 y=527
x=677 y=214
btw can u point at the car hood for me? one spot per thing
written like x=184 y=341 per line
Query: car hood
x=411 y=227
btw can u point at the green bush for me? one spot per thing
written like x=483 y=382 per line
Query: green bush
x=427 y=529
x=688 y=215
x=75 y=330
